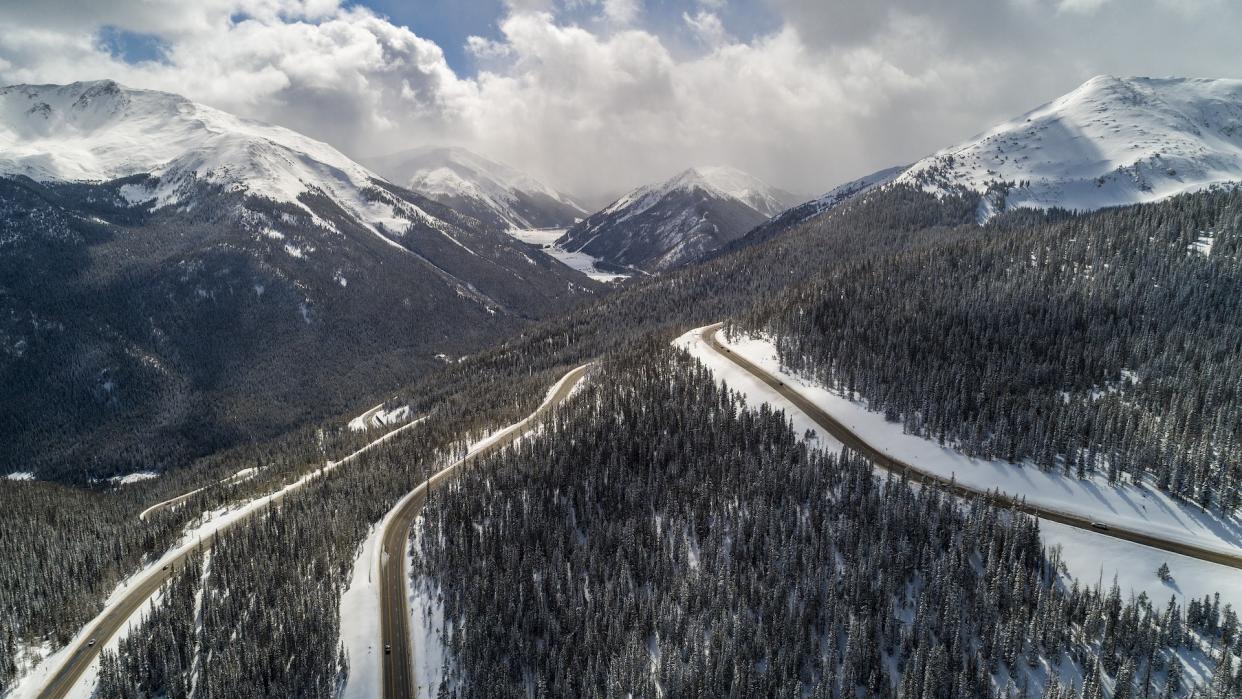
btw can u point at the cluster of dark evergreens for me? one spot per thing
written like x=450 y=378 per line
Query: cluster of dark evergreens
x=660 y=539
x=1102 y=344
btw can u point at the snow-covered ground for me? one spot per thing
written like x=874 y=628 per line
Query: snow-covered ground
x=378 y=417
x=545 y=239
x=360 y=622
x=133 y=478
x=427 y=629
x=32 y=683
x=1085 y=553
x=1092 y=557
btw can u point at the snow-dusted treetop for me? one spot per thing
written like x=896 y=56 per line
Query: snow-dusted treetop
x=99 y=131
x=1112 y=141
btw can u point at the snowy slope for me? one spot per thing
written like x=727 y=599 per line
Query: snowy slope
x=1113 y=141
x=677 y=221
x=99 y=131
x=485 y=189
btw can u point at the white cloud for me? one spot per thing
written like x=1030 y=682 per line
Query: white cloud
x=707 y=28
x=622 y=11
x=840 y=89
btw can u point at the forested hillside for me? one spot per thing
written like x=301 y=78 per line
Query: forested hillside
x=661 y=539
x=1105 y=344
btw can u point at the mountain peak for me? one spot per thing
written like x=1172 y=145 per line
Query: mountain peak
x=100 y=131
x=1111 y=141
x=732 y=182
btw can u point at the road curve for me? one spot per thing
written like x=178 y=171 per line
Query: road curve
x=398 y=660
x=107 y=624
x=918 y=475
x=241 y=475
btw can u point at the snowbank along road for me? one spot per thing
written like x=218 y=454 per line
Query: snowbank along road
x=398 y=661
x=917 y=475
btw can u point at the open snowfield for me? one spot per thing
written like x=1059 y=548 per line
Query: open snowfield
x=545 y=239
x=1087 y=554
x=360 y=622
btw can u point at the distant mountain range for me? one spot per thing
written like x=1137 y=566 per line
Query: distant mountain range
x=671 y=223
x=492 y=192
x=174 y=278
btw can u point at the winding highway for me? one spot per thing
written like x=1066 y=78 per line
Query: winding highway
x=398 y=662
x=399 y=679
x=109 y=622
x=918 y=475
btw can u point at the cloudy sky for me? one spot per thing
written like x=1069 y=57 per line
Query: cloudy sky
x=596 y=96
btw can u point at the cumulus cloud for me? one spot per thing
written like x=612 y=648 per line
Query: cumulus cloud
x=602 y=104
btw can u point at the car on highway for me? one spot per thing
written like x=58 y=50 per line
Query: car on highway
x=1099 y=525
x=387 y=649
x=90 y=643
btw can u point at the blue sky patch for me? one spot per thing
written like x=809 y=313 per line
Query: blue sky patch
x=131 y=47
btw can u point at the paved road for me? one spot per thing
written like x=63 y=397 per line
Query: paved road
x=172 y=502
x=102 y=629
x=105 y=626
x=917 y=475
x=398 y=663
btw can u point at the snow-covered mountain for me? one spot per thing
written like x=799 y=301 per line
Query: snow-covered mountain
x=670 y=223
x=100 y=131
x=169 y=265
x=1113 y=141
x=476 y=186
